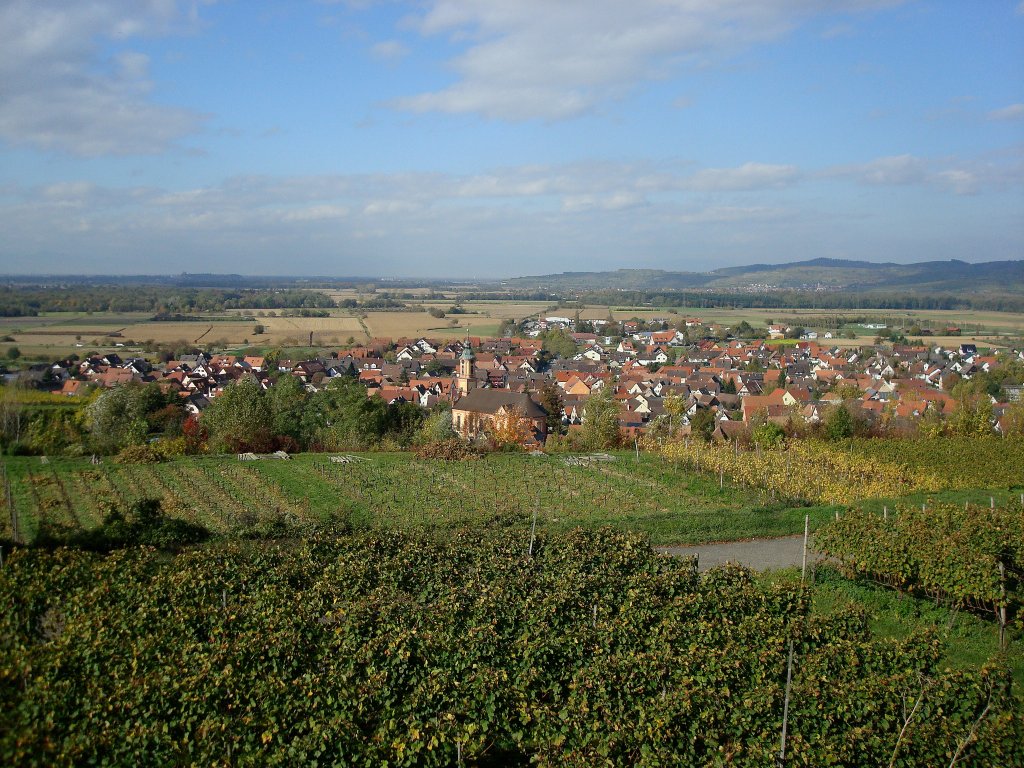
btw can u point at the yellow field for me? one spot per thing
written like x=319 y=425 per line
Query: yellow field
x=412 y=324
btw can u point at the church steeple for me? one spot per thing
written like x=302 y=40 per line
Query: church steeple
x=464 y=380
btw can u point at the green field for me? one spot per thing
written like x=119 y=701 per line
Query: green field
x=378 y=490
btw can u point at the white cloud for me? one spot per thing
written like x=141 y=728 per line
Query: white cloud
x=746 y=176
x=505 y=221
x=1012 y=112
x=960 y=181
x=726 y=214
x=389 y=50
x=58 y=93
x=897 y=169
x=554 y=60
x=315 y=213
x=961 y=176
x=617 y=202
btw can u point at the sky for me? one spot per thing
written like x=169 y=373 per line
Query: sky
x=497 y=138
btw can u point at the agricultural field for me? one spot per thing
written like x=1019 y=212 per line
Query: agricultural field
x=413 y=324
x=867 y=470
x=479 y=648
x=397 y=491
x=58 y=334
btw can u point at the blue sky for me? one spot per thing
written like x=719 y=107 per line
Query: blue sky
x=484 y=138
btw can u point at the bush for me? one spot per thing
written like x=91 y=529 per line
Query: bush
x=140 y=454
x=448 y=450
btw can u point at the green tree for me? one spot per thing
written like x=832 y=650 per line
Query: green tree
x=240 y=419
x=287 y=402
x=117 y=418
x=552 y=403
x=558 y=342
x=13 y=353
x=437 y=426
x=342 y=416
x=768 y=435
x=703 y=423
x=839 y=423
x=600 y=429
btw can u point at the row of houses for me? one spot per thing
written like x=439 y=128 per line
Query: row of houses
x=655 y=377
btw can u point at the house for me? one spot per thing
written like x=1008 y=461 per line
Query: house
x=728 y=431
x=74 y=387
x=475 y=412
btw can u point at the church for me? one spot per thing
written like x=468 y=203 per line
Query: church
x=476 y=409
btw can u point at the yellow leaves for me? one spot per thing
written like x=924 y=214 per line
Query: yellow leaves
x=817 y=471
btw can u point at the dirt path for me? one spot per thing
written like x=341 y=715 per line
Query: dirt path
x=759 y=554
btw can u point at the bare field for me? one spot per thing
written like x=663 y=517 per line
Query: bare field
x=398 y=324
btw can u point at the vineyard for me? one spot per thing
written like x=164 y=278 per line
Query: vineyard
x=970 y=557
x=669 y=502
x=387 y=648
x=848 y=473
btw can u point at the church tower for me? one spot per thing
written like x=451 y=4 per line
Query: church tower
x=464 y=380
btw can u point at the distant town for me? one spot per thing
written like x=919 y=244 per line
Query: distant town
x=679 y=378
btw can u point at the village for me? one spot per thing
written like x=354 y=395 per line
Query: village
x=664 y=380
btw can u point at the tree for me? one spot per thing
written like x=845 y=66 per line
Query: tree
x=839 y=423
x=437 y=426
x=848 y=391
x=117 y=418
x=552 y=403
x=287 y=401
x=240 y=419
x=973 y=414
x=675 y=407
x=13 y=353
x=703 y=424
x=1013 y=420
x=510 y=428
x=341 y=416
x=768 y=435
x=559 y=342
x=258 y=329
x=600 y=429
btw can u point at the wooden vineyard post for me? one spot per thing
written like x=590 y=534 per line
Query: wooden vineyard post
x=1002 y=606
x=781 y=760
x=15 y=533
x=803 y=565
x=533 y=526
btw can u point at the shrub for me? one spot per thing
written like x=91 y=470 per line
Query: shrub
x=448 y=450
x=140 y=454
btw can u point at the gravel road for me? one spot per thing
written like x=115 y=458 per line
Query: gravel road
x=759 y=554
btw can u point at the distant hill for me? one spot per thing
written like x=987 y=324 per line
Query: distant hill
x=861 y=276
